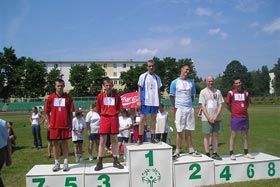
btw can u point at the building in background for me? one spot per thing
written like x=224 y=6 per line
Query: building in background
x=113 y=69
x=271 y=83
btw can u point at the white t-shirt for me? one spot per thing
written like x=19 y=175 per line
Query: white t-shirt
x=124 y=122
x=162 y=122
x=150 y=84
x=78 y=125
x=93 y=119
x=35 y=119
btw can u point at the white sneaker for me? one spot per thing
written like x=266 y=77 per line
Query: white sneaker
x=232 y=157
x=248 y=155
x=90 y=158
x=65 y=167
x=56 y=167
x=195 y=154
x=175 y=156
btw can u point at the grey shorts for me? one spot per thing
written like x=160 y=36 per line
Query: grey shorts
x=208 y=128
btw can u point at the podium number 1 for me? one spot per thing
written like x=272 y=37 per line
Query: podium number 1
x=150 y=156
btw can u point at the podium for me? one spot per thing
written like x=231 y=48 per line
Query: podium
x=43 y=176
x=193 y=171
x=149 y=164
x=264 y=166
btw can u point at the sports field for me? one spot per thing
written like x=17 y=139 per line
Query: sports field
x=263 y=137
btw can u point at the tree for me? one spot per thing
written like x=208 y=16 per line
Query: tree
x=276 y=82
x=264 y=87
x=96 y=77
x=51 y=77
x=34 y=78
x=130 y=78
x=79 y=79
x=11 y=73
x=235 y=69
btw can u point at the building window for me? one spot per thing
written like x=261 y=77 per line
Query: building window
x=120 y=82
x=115 y=82
x=124 y=65
x=115 y=74
x=104 y=65
x=115 y=65
x=55 y=65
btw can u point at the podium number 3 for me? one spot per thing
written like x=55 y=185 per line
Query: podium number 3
x=150 y=156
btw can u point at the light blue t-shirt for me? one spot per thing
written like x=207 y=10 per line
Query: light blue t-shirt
x=182 y=90
x=3 y=133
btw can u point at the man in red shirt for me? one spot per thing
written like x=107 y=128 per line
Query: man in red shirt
x=59 y=107
x=238 y=101
x=108 y=105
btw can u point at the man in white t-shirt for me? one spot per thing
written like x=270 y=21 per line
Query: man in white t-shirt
x=211 y=100
x=148 y=100
x=182 y=92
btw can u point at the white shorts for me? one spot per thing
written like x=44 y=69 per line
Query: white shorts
x=184 y=119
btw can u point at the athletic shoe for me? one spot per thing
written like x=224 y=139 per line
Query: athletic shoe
x=80 y=159
x=65 y=167
x=118 y=165
x=90 y=158
x=208 y=154
x=248 y=155
x=216 y=156
x=99 y=166
x=139 y=142
x=195 y=154
x=232 y=157
x=56 y=167
x=155 y=141
x=175 y=156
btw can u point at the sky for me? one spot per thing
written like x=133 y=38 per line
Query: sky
x=210 y=32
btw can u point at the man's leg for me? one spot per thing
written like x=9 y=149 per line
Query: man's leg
x=101 y=152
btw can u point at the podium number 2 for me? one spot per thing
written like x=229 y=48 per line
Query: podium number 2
x=150 y=156
x=196 y=168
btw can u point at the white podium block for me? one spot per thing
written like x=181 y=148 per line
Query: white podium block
x=43 y=176
x=264 y=166
x=149 y=164
x=193 y=171
x=108 y=176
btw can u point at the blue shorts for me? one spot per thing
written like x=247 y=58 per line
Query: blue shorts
x=149 y=109
x=238 y=124
x=94 y=136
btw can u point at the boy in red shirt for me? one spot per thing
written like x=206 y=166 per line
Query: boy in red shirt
x=59 y=107
x=108 y=105
x=238 y=101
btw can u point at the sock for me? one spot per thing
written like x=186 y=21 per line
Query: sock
x=56 y=161
x=231 y=152
x=65 y=161
x=100 y=159
x=191 y=150
x=115 y=159
x=246 y=151
x=140 y=138
x=177 y=151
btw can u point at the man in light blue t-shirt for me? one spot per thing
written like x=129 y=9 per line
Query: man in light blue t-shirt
x=182 y=92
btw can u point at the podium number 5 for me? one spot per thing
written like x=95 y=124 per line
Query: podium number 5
x=150 y=156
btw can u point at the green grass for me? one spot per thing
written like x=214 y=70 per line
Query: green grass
x=263 y=137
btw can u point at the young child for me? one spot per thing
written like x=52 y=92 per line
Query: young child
x=161 y=124
x=78 y=126
x=108 y=105
x=125 y=125
x=93 y=123
x=12 y=135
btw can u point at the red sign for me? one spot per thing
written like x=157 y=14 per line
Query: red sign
x=129 y=100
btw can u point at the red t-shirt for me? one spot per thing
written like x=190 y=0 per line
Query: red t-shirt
x=60 y=109
x=109 y=105
x=239 y=103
